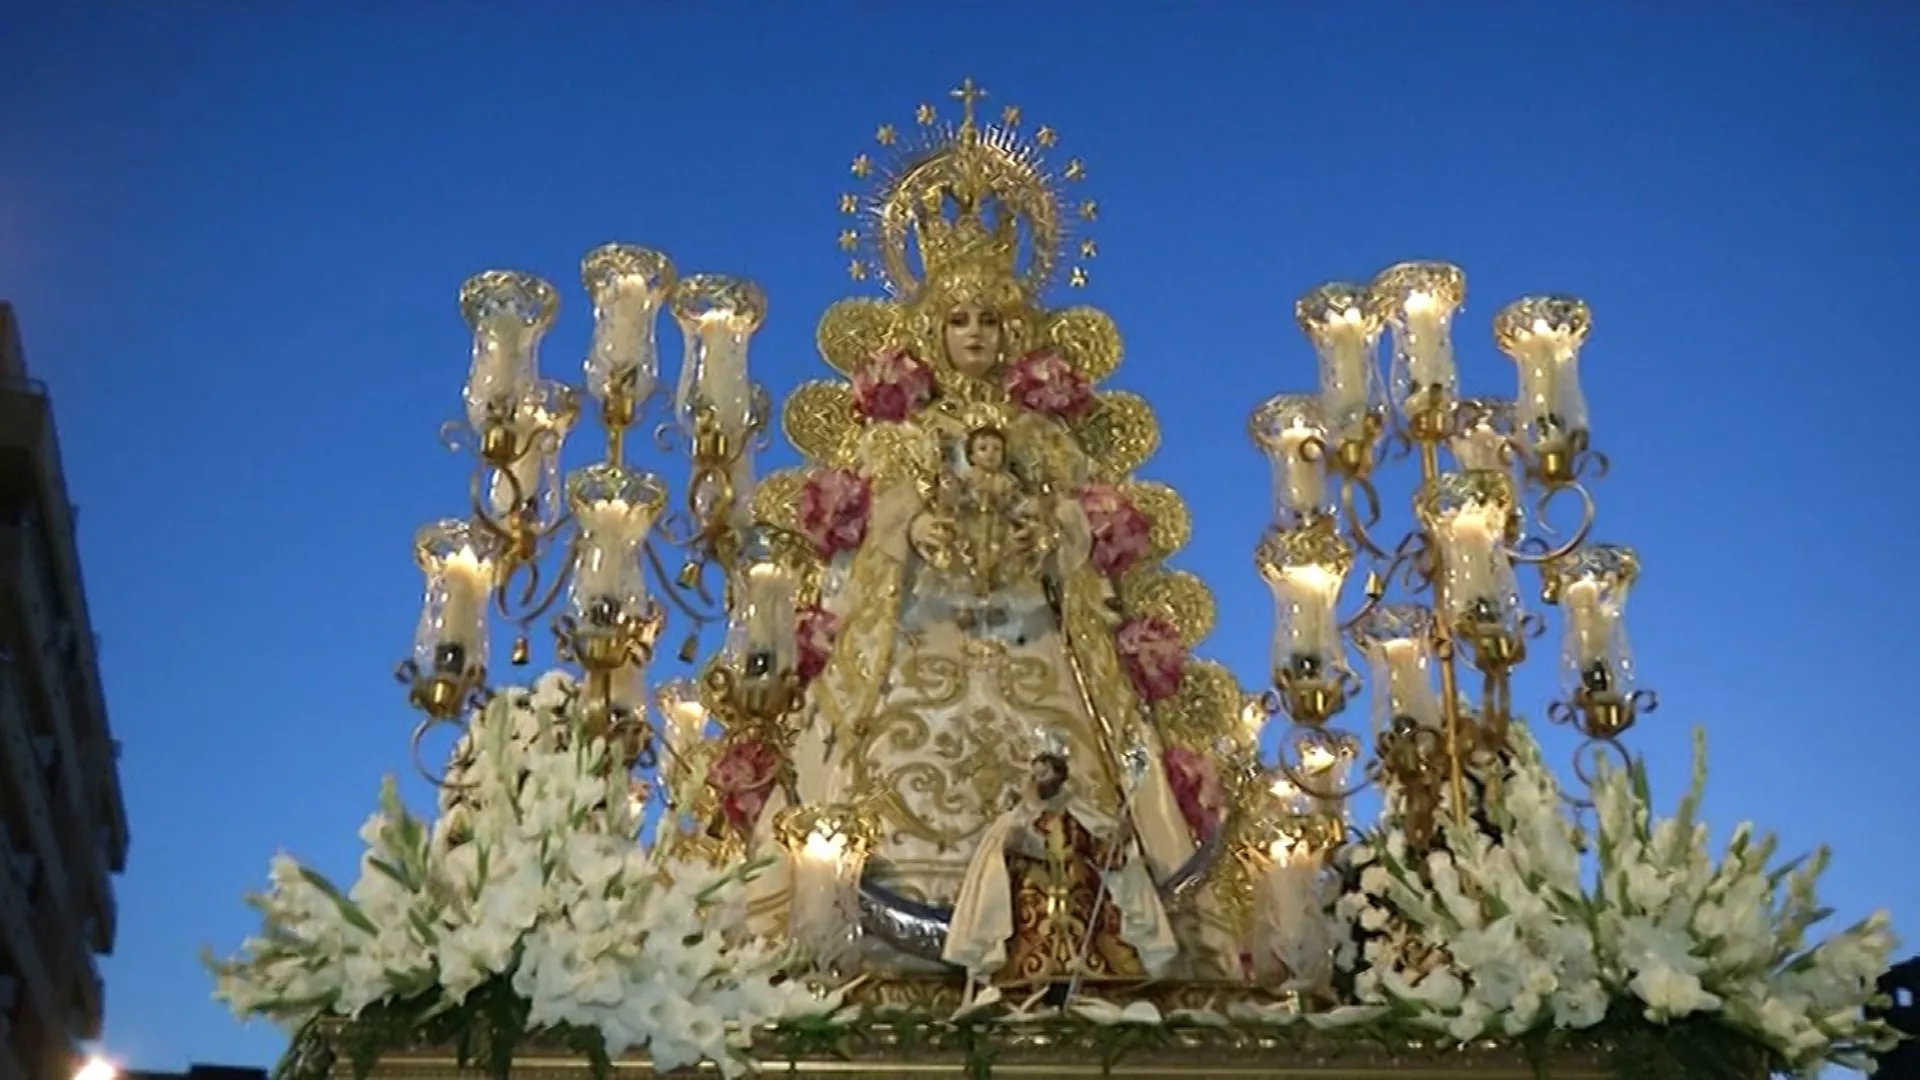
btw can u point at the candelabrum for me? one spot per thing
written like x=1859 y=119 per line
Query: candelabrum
x=586 y=548
x=1443 y=603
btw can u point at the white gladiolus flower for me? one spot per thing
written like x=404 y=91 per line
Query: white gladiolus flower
x=1501 y=932
x=531 y=874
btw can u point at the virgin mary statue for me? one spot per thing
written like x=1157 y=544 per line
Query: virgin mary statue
x=972 y=542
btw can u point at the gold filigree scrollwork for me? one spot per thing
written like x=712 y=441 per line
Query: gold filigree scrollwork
x=819 y=421
x=776 y=499
x=1205 y=711
x=1180 y=598
x=1166 y=513
x=1086 y=338
x=1119 y=434
x=855 y=328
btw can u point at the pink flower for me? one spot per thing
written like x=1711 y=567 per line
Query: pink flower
x=1197 y=789
x=1121 y=533
x=1042 y=382
x=815 y=630
x=1154 y=656
x=743 y=776
x=891 y=385
x=833 y=511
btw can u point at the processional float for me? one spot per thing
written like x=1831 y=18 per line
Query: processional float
x=953 y=726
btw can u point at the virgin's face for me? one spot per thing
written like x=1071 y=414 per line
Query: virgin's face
x=973 y=339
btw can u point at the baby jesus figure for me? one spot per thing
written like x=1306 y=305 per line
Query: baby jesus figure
x=983 y=526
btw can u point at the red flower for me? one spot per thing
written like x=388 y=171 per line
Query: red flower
x=1121 y=533
x=833 y=511
x=743 y=776
x=891 y=385
x=1043 y=382
x=1154 y=656
x=1197 y=789
x=815 y=629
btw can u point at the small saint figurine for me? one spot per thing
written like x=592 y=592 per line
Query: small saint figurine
x=1056 y=892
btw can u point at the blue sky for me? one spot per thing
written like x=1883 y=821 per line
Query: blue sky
x=234 y=237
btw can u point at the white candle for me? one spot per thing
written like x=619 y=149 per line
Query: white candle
x=1480 y=447
x=1548 y=406
x=465 y=582
x=1303 y=482
x=1305 y=597
x=1428 y=349
x=1316 y=762
x=609 y=550
x=1409 y=691
x=1344 y=366
x=1590 y=622
x=723 y=372
x=1472 y=561
x=524 y=482
x=821 y=915
x=622 y=341
x=501 y=371
x=770 y=611
x=686 y=723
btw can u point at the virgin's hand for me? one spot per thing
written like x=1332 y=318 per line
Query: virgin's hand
x=929 y=532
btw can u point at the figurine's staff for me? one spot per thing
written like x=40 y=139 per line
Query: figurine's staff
x=1137 y=766
x=1136 y=770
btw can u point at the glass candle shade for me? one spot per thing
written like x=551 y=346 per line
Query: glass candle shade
x=1481 y=429
x=1468 y=514
x=531 y=483
x=627 y=284
x=614 y=509
x=718 y=316
x=1593 y=585
x=460 y=562
x=1543 y=335
x=1417 y=300
x=1397 y=640
x=1325 y=759
x=1305 y=568
x=508 y=312
x=764 y=617
x=683 y=718
x=1288 y=430
x=1345 y=330
x=1290 y=803
x=1291 y=937
x=827 y=849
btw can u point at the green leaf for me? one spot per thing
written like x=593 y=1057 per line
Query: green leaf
x=349 y=910
x=391 y=871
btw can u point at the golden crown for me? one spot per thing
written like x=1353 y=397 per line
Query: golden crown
x=953 y=201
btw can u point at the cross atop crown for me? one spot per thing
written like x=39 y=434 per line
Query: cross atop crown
x=966 y=94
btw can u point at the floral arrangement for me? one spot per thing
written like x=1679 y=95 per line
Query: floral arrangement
x=1499 y=931
x=1153 y=655
x=891 y=385
x=1197 y=790
x=744 y=776
x=815 y=631
x=1122 y=535
x=539 y=914
x=834 y=506
x=1043 y=382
